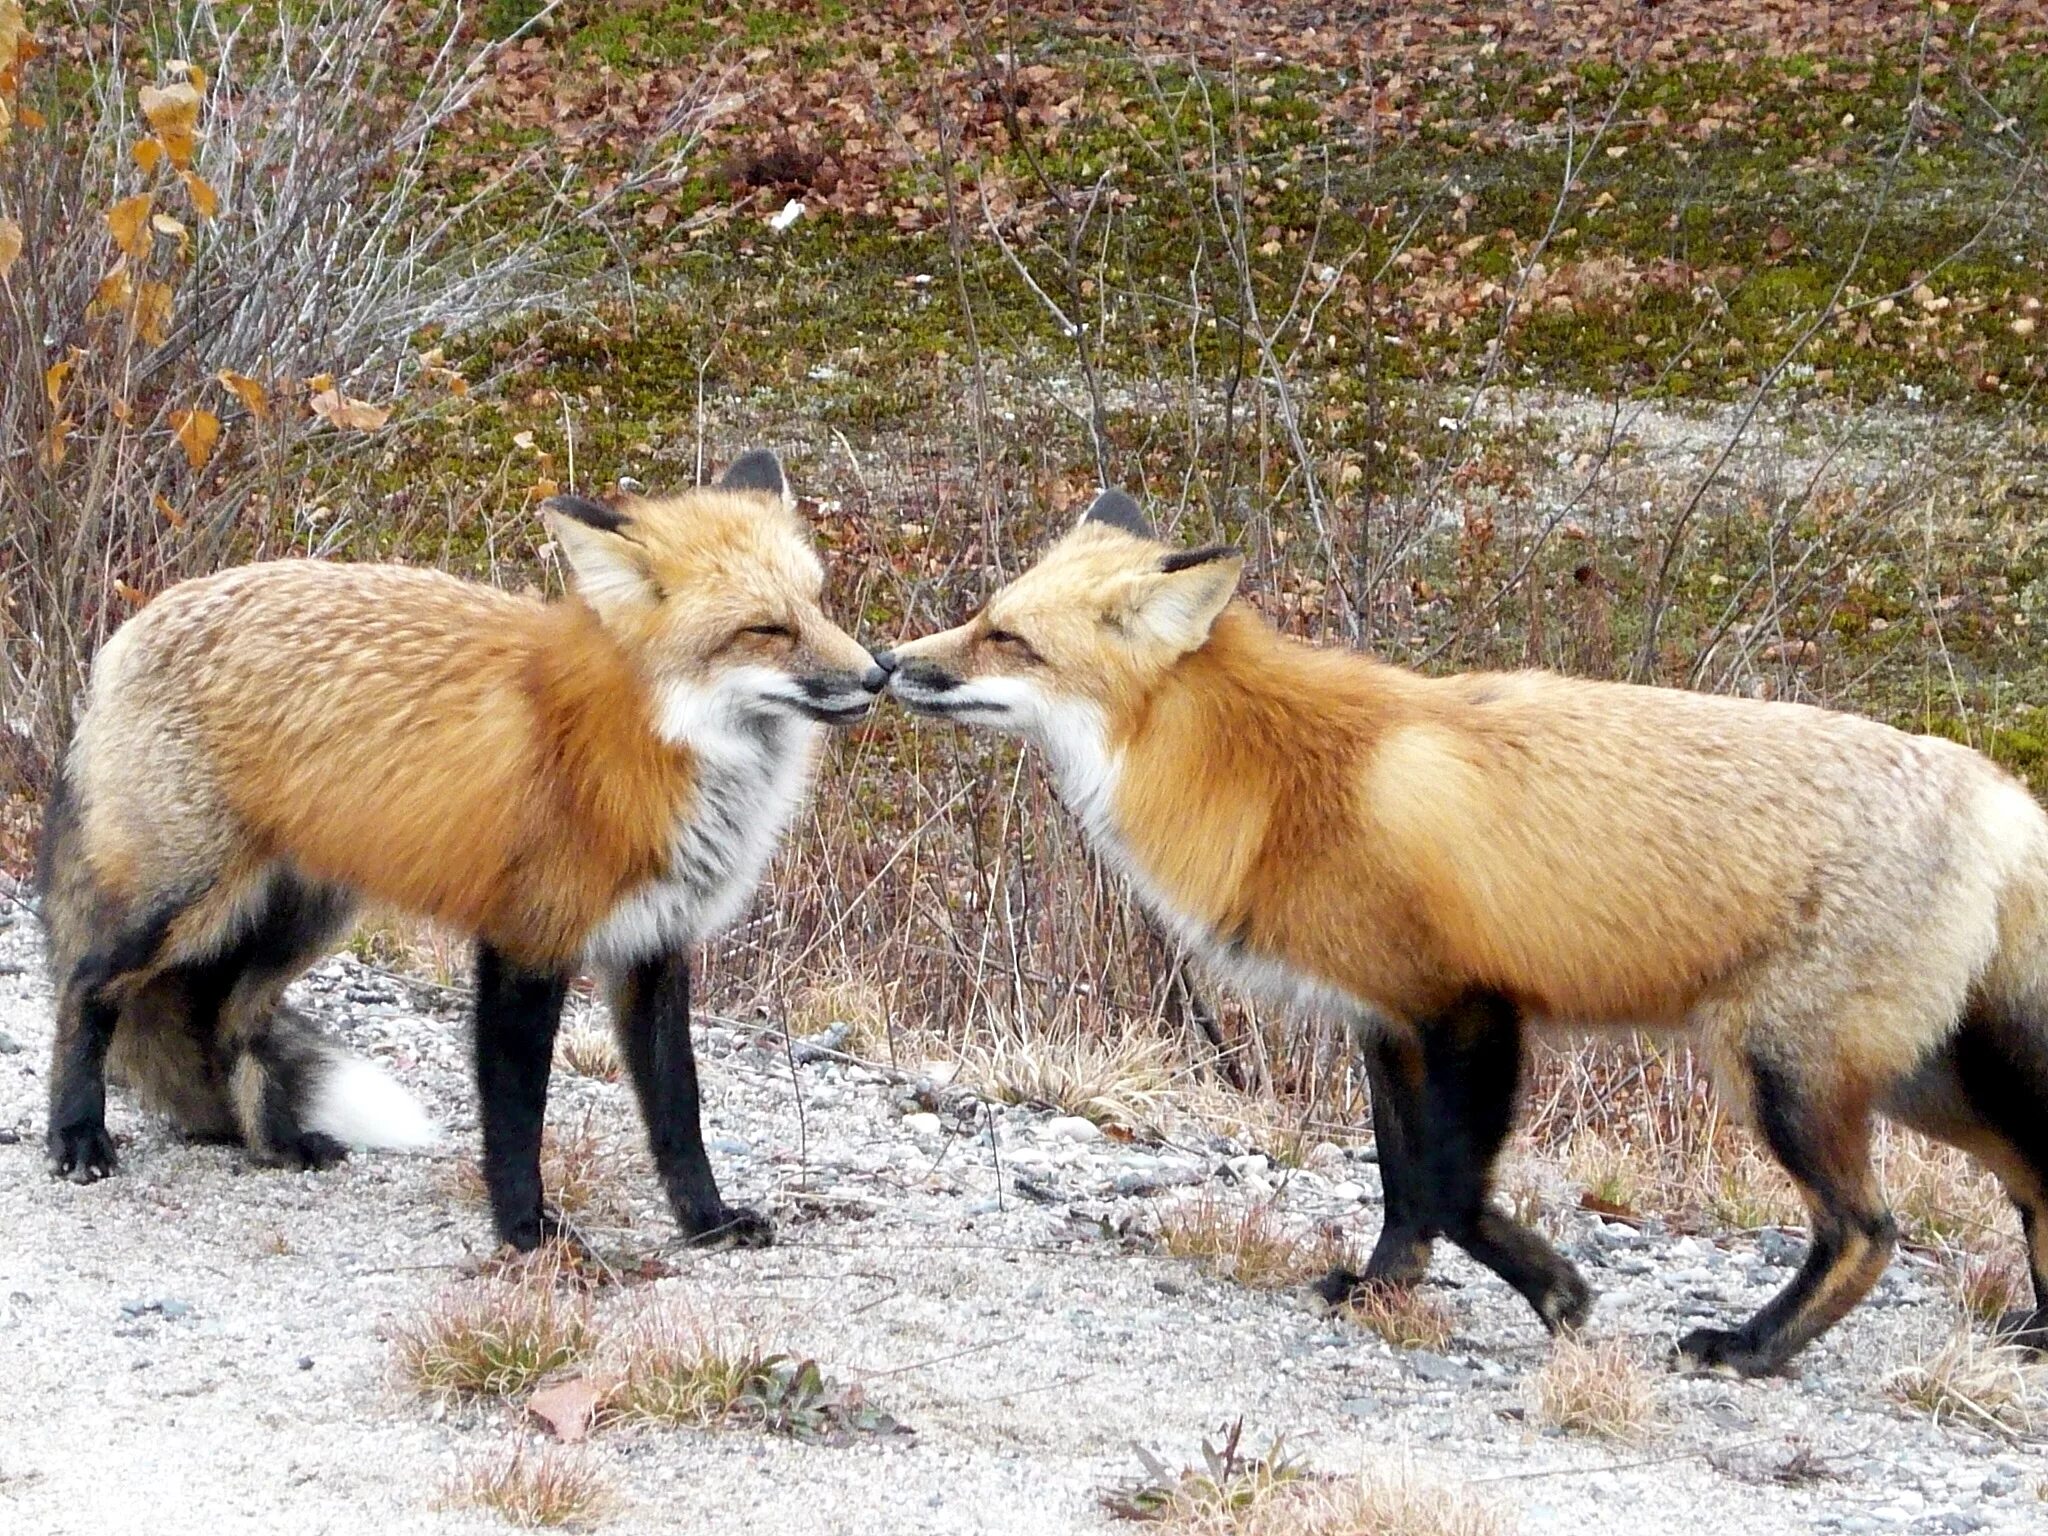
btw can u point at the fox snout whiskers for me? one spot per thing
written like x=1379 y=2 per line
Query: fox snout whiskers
x=841 y=698
x=922 y=685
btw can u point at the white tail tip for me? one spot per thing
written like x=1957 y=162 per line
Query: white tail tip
x=363 y=1106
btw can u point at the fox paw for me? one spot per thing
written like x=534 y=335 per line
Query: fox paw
x=1567 y=1303
x=81 y=1153
x=314 y=1151
x=736 y=1227
x=1722 y=1352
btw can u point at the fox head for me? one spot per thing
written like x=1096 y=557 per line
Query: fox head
x=715 y=595
x=1079 y=641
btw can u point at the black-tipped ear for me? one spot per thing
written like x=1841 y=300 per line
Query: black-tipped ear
x=594 y=513
x=1118 y=511
x=1188 y=559
x=759 y=470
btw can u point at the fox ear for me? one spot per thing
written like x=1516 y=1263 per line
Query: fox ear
x=759 y=471
x=1113 y=508
x=1176 y=605
x=607 y=566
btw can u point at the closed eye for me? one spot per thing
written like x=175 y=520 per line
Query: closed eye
x=1015 y=642
x=773 y=631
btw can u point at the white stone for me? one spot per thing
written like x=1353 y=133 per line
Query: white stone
x=923 y=1126
x=1072 y=1128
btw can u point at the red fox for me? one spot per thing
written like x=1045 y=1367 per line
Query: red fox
x=596 y=782
x=1852 y=919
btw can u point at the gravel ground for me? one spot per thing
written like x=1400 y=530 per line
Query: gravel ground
x=199 y=1346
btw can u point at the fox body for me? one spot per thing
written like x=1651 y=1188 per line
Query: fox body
x=1852 y=919
x=591 y=783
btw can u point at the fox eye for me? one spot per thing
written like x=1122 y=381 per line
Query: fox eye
x=1013 y=641
x=773 y=631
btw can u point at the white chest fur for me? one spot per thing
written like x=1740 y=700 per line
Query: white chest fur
x=1086 y=772
x=750 y=781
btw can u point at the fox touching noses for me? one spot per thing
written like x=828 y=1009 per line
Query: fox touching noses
x=594 y=783
x=1852 y=920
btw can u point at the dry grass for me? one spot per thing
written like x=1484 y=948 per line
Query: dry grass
x=672 y=1370
x=1594 y=1389
x=533 y=1485
x=1406 y=1316
x=1939 y=1194
x=1252 y=1244
x=1984 y=1385
x=589 y=1050
x=1989 y=1285
x=579 y=1173
x=858 y=1006
x=1233 y=1494
x=495 y=1337
x=1112 y=1079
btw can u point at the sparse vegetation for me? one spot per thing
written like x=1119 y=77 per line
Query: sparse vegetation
x=673 y=1371
x=1115 y=1080
x=496 y=1337
x=1276 y=1494
x=1594 y=1388
x=535 y=1485
x=590 y=1050
x=1253 y=1243
x=1406 y=1316
x=580 y=1175
x=1976 y=1383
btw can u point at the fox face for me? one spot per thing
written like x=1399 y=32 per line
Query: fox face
x=715 y=593
x=1076 y=643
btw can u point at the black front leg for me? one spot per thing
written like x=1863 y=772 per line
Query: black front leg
x=651 y=1012
x=517 y=1012
x=1394 y=1073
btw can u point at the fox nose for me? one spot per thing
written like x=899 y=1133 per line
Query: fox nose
x=879 y=674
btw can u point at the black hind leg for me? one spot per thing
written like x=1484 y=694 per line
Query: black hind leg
x=1986 y=1091
x=1820 y=1131
x=273 y=1056
x=87 y=1012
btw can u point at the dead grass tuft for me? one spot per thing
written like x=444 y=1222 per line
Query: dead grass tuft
x=590 y=1050
x=535 y=1485
x=1117 y=1080
x=673 y=1371
x=495 y=1337
x=1406 y=1316
x=1989 y=1285
x=1986 y=1385
x=1253 y=1244
x=1594 y=1389
x=1233 y=1494
x=857 y=1007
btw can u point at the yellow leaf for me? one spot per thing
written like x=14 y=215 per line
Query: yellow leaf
x=54 y=377
x=13 y=32
x=320 y=382
x=247 y=390
x=10 y=245
x=164 y=224
x=198 y=430
x=128 y=221
x=339 y=410
x=115 y=289
x=132 y=596
x=171 y=514
x=173 y=111
x=53 y=445
x=153 y=312
x=148 y=153
x=541 y=490
x=31 y=118
x=205 y=201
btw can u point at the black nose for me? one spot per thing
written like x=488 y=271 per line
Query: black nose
x=878 y=675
